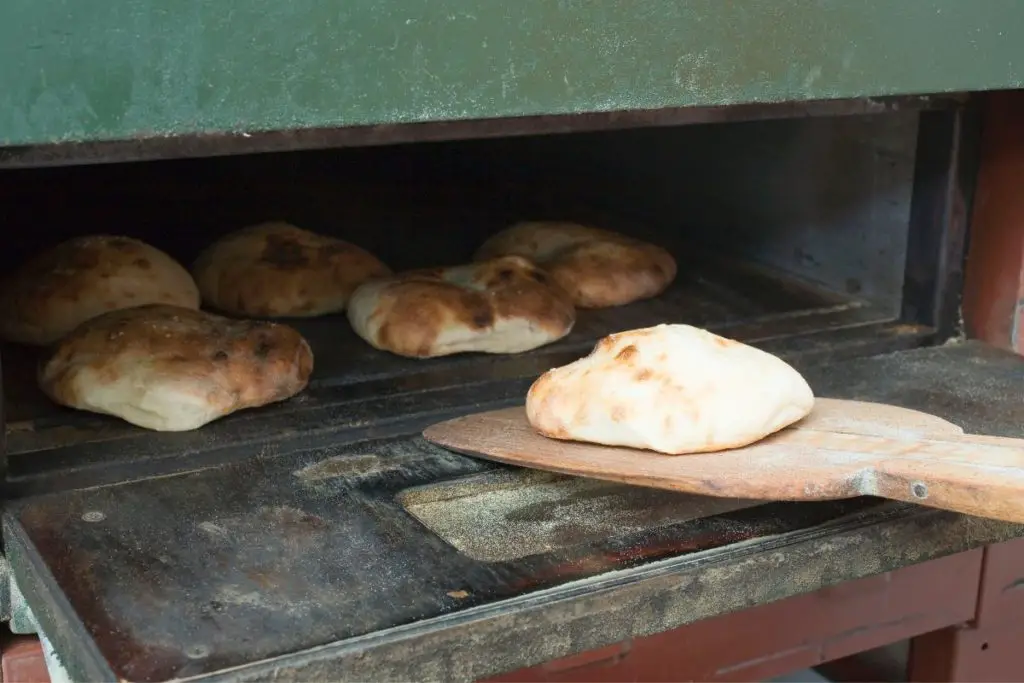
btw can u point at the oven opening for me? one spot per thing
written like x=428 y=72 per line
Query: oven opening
x=783 y=230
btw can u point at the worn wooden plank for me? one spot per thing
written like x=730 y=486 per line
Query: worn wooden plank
x=842 y=449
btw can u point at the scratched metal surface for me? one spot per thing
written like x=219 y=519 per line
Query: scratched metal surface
x=186 y=575
x=167 y=67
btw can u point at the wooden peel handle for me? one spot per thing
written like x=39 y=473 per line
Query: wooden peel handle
x=982 y=476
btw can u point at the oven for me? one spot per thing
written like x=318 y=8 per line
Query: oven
x=322 y=537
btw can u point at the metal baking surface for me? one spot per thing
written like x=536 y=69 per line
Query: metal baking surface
x=94 y=450
x=511 y=514
x=312 y=565
x=355 y=385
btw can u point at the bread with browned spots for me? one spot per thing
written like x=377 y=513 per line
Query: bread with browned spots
x=82 y=278
x=674 y=389
x=599 y=268
x=277 y=270
x=506 y=305
x=174 y=369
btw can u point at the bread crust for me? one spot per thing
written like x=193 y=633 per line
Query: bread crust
x=82 y=278
x=505 y=305
x=674 y=389
x=169 y=368
x=598 y=268
x=277 y=270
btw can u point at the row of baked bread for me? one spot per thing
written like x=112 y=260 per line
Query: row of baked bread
x=521 y=291
x=532 y=273
x=133 y=343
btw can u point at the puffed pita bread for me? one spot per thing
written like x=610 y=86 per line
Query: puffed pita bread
x=82 y=278
x=598 y=268
x=276 y=270
x=506 y=305
x=174 y=369
x=674 y=389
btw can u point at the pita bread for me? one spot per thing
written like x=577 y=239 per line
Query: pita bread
x=173 y=369
x=598 y=268
x=674 y=389
x=82 y=278
x=276 y=270
x=506 y=305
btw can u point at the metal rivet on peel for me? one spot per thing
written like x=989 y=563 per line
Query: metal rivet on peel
x=93 y=516
x=197 y=652
x=919 y=490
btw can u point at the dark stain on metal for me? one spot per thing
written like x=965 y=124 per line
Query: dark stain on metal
x=358 y=465
x=508 y=515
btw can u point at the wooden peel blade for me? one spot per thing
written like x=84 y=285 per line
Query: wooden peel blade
x=843 y=449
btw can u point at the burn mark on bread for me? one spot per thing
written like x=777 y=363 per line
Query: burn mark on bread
x=480 y=314
x=504 y=276
x=220 y=356
x=643 y=375
x=143 y=263
x=284 y=251
x=626 y=354
x=263 y=349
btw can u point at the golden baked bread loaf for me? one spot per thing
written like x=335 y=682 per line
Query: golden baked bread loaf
x=598 y=268
x=674 y=389
x=82 y=278
x=505 y=305
x=173 y=369
x=277 y=270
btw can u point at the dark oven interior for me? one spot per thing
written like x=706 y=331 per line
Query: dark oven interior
x=806 y=236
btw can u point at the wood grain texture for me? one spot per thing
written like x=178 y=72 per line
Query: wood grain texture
x=843 y=449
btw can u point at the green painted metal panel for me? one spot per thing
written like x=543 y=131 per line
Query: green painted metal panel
x=75 y=70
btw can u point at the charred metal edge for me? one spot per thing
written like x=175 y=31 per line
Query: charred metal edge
x=224 y=144
x=394 y=415
x=586 y=614
x=945 y=173
x=53 y=612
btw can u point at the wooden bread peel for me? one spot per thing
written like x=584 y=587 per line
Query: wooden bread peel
x=843 y=449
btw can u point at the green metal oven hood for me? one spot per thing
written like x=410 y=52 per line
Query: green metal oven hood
x=88 y=71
